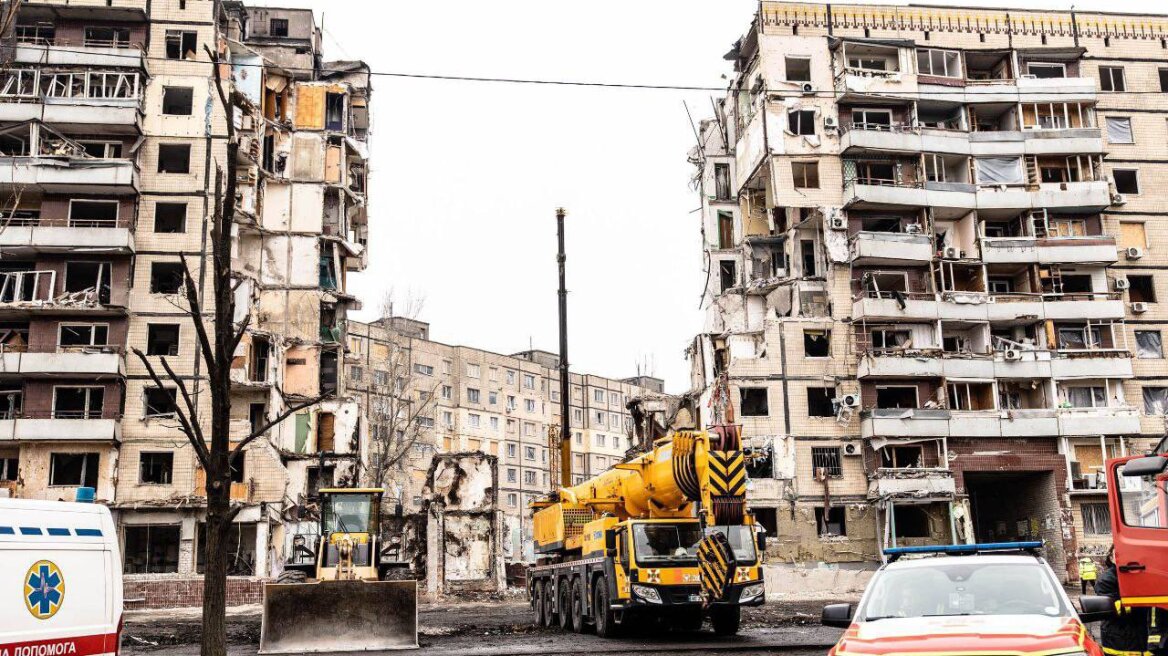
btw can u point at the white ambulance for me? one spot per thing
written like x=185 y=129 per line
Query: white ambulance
x=60 y=579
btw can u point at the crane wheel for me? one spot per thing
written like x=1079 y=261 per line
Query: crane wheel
x=725 y=619
x=578 y=623
x=603 y=616
x=548 y=598
x=565 y=605
x=537 y=603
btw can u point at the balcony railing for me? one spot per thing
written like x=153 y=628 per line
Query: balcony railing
x=35 y=85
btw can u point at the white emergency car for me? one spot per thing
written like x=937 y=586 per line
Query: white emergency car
x=60 y=579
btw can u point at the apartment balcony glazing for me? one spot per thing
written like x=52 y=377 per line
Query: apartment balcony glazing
x=36 y=158
x=83 y=100
x=87 y=291
x=915 y=482
x=65 y=361
x=980 y=306
x=882 y=194
x=28 y=234
x=938 y=422
x=1012 y=364
x=904 y=138
x=53 y=427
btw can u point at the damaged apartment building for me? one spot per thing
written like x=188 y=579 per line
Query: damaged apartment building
x=423 y=398
x=111 y=137
x=933 y=278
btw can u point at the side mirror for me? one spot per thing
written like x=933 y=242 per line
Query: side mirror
x=1096 y=608
x=760 y=542
x=837 y=615
x=1146 y=466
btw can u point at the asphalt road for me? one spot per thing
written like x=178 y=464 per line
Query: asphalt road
x=503 y=627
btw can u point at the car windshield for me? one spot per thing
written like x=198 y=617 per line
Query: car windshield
x=347 y=513
x=963 y=589
x=741 y=540
x=655 y=543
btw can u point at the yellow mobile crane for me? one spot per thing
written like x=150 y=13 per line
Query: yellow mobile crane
x=664 y=536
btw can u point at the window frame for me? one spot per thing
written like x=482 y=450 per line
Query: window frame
x=1108 y=79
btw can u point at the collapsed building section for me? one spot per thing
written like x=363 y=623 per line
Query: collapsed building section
x=926 y=285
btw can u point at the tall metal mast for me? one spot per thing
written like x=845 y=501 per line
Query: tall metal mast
x=565 y=396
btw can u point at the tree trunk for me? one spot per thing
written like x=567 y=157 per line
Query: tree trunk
x=214 y=641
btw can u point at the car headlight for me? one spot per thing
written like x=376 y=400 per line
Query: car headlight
x=751 y=592
x=647 y=594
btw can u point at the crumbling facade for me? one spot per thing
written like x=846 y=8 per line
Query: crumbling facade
x=931 y=244
x=113 y=140
x=456 y=399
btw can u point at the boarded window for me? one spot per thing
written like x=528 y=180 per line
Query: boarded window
x=754 y=402
x=310 y=107
x=325 y=431
x=1132 y=235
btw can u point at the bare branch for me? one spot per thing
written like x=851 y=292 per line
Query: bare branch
x=192 y=409
x=239 y=332
x=193 y=432
x=288 y=411
x=196 y=313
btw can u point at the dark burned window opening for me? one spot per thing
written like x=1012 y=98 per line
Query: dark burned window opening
x=178 y=101
x=817 y=343
x=831 y=522
x=174 y=158
x=151 y=549
x=170 y=218
x=754 y=402
x=820 y=402
x=156 y=467
x=166 y=277
x=162 y=339
x=161 y=402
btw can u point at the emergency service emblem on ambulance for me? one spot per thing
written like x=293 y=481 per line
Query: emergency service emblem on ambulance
x=44 y=589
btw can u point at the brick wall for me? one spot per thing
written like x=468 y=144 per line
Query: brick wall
x=143 y=592
x=1031 y=454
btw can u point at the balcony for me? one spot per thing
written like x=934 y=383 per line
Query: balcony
x=885 y=194
x=918 y=422
x=63 y=53
x=881 y=248
x=1070 y=141
x=924 y=422
x=1086 y=196
x=918 y=483
x=1098 y=249
x=980 y=306
x=23 y=293
x=1062 y=364
x=26 y=238
x=43 y=427
x=39 y=158
x=925 y=364
x=1023 y=89
x=1115 y=420
x=915 y=139
x=903 y=138
x=93 y=361
x=85 y=101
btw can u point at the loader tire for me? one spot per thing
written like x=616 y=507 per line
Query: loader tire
x=604 y=617
x=548 y=596
x=292 y=576
x=565 y=605
x=725 y=619
x=577 y=594
x=537 y=603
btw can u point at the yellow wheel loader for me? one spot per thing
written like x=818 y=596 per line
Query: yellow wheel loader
x=344 y=606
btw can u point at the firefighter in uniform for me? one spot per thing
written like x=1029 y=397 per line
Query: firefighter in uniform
x=1126 y=634
x=1087 y=572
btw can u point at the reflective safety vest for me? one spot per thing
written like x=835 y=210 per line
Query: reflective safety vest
x=1087 y=571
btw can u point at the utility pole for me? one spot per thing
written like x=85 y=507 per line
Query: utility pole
x=565 y=397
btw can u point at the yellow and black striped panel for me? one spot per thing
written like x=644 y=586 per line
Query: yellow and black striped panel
x=717 y=565
x=727 y=473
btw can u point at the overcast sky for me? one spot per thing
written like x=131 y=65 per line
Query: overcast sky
x=466 y=176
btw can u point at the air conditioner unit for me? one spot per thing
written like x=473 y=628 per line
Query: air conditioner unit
x=850 y=400
x=1139 y=307
x=830 y=123
x=1012 y=355
x=1121 y=284
x=808 y=89
x=851 y=449
x=951 y=253
x=838 y=223
x=1134 y=252
x=1118 y=199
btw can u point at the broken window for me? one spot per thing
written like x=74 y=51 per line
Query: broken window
x=801 y=122
x=805 y=175
x=107 y=37
x=238 y=462
x=170 y=218
x=241 y=545
x=827 y=461
x=278 y=27
x=9 y=468
x=798 y=69
x=156 y=468
x=166 y=277
x=317 y=481
x=902 y=457
x=727 y=274
x=768 y=519
x=754 y=402
x=161 y=402
x=886 y=338
x=1096 y=519
x=11 y=400
x=817 y=343
x=1141 y=289
x=831 y=522
x=174 y=158
x=261 y=350
x=93 y=213
x=178 y=101
x=78 y=402
x=1156 y=400
x=722 y=181
x=970 y=396
x=910 y=521
x=102 y=149
x=91 y=277
x=820 y=402
x=73 y=469
x=328 y=371
x=328 y=269
x=151 y=549
x=41 y=33
x=939 y=63
x=1111 y=78
x=334 y=111
x=1149 y=345
x=1127 y=181
x=896 y=396
x=162 y=339
x=807 y=255
x=257 y=416
x=181 y=44
x=1086 y=396
x=83 y=335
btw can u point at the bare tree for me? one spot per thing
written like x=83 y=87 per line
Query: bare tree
x=210 y=436
x=401 y=399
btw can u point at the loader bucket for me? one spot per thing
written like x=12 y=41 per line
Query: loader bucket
x=339 y=616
